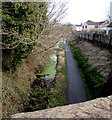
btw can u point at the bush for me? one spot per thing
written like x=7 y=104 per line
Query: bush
x=21 y=24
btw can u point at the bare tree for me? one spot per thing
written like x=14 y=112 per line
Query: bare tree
x=56 y=12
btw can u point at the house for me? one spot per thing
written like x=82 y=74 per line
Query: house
x=77 y=27
x=103 y=25
x=73 y=27
x=89 y=25
x=109 y=29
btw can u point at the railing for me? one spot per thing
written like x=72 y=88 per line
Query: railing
x=101 y=39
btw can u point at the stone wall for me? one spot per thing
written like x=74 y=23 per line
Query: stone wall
x=98 y=108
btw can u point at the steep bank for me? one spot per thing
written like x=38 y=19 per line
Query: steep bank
x=16 y=86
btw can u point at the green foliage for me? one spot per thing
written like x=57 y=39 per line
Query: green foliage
x=38 y=99
x=57 y=97
x=92 y=80
x=89 y=21
x=63 y=70
x=97 y=31
x=22 y=22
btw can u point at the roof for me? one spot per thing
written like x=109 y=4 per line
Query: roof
x=110 y=25
x=95 y=23
x=78 y=25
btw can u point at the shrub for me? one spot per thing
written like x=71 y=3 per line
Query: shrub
x=22 y=23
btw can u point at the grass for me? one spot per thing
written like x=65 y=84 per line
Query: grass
x=92 y=80
x=57 y=96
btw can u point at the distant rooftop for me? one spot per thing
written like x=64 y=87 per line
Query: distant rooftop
x=95 y=23
x=78 y=25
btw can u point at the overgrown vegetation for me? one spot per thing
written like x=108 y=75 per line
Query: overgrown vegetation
x=97 y=31
x=92 y=80
x=57 y=97
x=22 y=26
x=22 y=23
x=39 y=96
x=43 y=96
x=58 y=92
x=27 y=42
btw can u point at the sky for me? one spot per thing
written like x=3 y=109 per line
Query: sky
x=79 y=11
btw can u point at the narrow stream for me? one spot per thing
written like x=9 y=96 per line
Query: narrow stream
x=75 y=89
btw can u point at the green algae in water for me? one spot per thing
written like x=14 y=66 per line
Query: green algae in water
x=50 y=68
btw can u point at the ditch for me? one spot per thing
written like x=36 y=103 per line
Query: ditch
x=48 y=89
x=93 y=81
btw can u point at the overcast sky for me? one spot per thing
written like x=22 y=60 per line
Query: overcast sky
x=80 y=11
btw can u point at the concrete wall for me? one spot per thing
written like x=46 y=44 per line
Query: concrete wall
x=102 y=40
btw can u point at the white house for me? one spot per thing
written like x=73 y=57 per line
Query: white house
x=90 y=26
x=109 y=29
x=73 y=27
x=87 y=26
x=77 y=27
x=103 y=25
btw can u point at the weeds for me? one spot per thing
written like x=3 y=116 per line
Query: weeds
x=57 y=96
x=38 y=99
